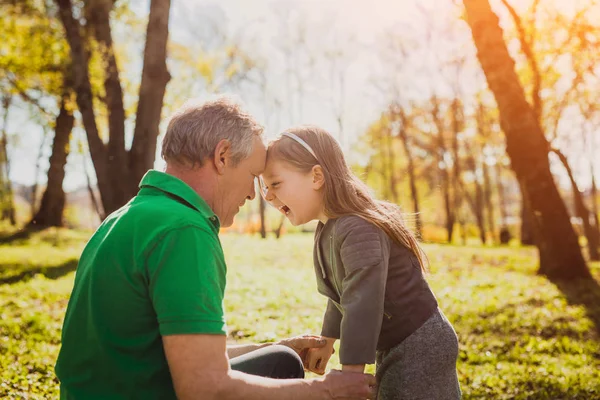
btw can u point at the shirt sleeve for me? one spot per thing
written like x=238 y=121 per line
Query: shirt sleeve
x=187 y=276
x=364 y=253
x=331 y=321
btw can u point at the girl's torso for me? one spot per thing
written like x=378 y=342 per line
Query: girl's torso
x=344 y=249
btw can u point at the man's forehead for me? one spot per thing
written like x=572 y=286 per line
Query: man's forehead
x=260 y=156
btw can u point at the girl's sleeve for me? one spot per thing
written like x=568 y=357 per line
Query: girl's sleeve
x=364 y=251
x=331 y=321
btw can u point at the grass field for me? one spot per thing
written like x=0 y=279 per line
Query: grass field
x=521 y=336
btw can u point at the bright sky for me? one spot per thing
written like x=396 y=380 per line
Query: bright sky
x=364 y=20
x=261 y=26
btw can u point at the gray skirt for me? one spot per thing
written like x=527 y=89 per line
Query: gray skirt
x=423 y=366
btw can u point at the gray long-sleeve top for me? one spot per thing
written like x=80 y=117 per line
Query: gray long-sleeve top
x=377 y=293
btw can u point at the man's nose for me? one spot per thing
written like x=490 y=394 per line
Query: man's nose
x=252 y=194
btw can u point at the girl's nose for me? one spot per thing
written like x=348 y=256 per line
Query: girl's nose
x=269 y=196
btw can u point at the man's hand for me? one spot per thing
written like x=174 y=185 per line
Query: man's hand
x=200 y=370
x=302 y=344
x=350 y=385
x=317 y=359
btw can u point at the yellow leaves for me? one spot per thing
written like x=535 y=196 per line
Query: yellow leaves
x=32 y=50
x=197 y=69
x=205 y=67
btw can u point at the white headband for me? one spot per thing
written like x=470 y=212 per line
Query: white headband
x=302 y=142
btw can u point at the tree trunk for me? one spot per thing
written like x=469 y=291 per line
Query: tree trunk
x=7 y=206
x=582 y=211
x=479 y=206
x=456 y=166
x=476 y=202
x=501 y=196
x=52 y=205
x=38 y=166
x=594 y=191
x=527 y=234
x=98 y=19
x=489 y=204
x=155 y=77
x=443 y=170
x=83 y=90
x=527 y=48
x=504 y=234
x=450 y=211
x=393 y=182
x=112 y=160
x=379 y=141
x=279 y=229
x=411 y=175
x=93 y=199
x=483 y=132
x=262 y=205
x=559 y=250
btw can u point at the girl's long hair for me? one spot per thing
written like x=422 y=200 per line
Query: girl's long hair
x=345 y=193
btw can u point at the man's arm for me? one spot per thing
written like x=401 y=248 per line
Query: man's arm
x=200 y=370
x=300 y=344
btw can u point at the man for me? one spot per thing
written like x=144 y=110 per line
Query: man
x=145 y=319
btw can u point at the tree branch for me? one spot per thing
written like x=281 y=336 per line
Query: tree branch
x=98 y=14
x=26 y=97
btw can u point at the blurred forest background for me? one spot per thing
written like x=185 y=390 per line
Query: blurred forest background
x=481 y=119
x=405 y=96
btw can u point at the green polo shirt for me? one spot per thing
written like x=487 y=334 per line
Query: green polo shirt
x=154 y=267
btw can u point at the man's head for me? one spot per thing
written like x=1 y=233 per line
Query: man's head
x=218 y=150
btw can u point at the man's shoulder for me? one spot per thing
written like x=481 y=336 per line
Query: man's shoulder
x=163 y=210
x=164 y=205
x=144 y=222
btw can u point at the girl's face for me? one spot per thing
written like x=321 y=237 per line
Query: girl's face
x=297 y=195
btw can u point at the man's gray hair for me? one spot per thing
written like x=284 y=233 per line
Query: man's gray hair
x=194 y=132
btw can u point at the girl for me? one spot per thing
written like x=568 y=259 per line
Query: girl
x=369 y=266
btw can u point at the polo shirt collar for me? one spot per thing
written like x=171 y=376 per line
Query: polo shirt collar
x=170 y=184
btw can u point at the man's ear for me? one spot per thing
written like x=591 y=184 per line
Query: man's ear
x=318 y=177
x=222 y=156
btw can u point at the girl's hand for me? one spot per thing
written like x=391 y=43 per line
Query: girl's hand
x=302 y=344
x=316 y=359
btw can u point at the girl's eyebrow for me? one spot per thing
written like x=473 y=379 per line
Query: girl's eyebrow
x=270 y=177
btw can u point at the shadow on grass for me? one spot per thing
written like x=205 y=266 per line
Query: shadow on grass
x=585 y=292
x=51 y=272
x=538 y=388
x=18 y=236
x=505 y=321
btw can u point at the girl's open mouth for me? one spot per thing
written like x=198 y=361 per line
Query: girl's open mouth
x=284 y=209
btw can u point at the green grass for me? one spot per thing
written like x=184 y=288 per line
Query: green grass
x=521 y=336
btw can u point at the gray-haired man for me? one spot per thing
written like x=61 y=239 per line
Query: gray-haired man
x=145 y=319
